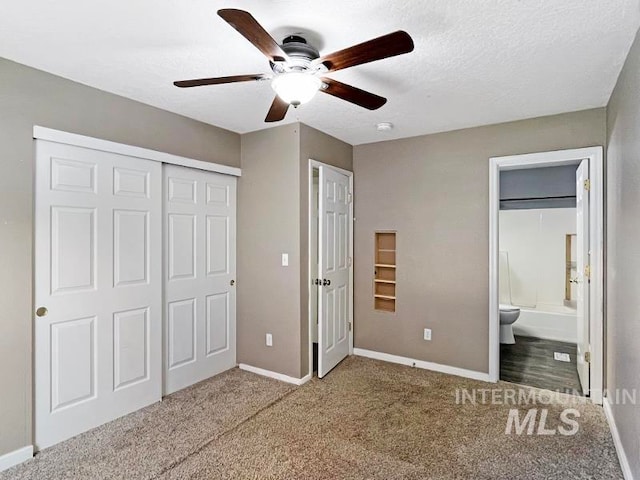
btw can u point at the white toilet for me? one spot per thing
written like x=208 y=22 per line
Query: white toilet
x=508 y=315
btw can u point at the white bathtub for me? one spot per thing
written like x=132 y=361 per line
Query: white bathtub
x=553 y=322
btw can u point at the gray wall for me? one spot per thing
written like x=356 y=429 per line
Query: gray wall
x=326 y=149
x=434 y=190
x=268 y=226
x=623 y=250
x=30 y=97
x=548 y=187
x=272 y=220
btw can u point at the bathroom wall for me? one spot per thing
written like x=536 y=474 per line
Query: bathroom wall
x=535 y=244
x=546 y=187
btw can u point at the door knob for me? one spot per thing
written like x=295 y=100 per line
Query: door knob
x=326 y=282
x=42 y=311
x=232 y=283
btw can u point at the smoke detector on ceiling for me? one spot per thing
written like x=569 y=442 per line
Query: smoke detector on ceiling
x=384 y=127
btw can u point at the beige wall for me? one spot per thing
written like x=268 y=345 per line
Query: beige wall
x=326 y=149
x=30 y=97
x=434 y=190
x=623 y=250
x=272 y=220
x=268 y=226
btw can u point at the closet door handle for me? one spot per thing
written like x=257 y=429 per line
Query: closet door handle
x=326 y=282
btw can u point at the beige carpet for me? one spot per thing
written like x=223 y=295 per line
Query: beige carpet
x=365 y=420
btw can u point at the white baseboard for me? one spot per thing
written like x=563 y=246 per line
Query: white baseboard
x=436 y=367
x=622 y=456
x=278 y=376
x=12 y=459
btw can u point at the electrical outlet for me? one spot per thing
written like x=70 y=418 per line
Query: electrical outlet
x=269 y=340
x=561 y=357
x=427 y=334
x=285 y=259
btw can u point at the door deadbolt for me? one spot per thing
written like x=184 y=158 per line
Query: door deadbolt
x=42 y=311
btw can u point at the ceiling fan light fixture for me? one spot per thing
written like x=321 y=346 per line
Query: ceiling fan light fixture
x=296 y=88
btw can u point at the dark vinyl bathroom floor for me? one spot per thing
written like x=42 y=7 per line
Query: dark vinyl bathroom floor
x=530 y=362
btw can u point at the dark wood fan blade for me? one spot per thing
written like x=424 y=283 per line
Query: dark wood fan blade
x=250 y=29
x=386 y=46
x=219 y=80
x=277 y=111
x=354 y=95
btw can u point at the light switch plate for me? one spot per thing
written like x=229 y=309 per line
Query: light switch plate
x=269 y=340
x=427 y=334
x=285 y=259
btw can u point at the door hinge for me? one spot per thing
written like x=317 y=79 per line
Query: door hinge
x=349 y=197
x=587 y=185
x=349 y=261
x=349 y=326
x=587 y=357
x=587 y=271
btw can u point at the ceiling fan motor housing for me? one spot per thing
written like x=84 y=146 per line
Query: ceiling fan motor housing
x=300 y=53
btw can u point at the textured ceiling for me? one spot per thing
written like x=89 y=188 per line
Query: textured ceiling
x=475 y=62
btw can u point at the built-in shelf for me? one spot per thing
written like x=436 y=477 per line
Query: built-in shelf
x=387 y=297
x=384 y=282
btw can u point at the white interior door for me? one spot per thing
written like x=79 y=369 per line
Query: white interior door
x=98 y=325
x=582 y=250
x=335 y=295
x=200 y=268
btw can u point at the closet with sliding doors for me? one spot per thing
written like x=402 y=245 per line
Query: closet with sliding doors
x=134 y=279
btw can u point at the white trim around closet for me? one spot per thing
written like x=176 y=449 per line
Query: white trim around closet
x=58 y=136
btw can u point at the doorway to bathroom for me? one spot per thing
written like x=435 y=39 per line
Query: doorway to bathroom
x=546 y=276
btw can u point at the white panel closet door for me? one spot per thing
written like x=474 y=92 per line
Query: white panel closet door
x=333 y=311
x=200 y=269
x=98 y=274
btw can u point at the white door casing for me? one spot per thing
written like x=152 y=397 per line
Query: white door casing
x=98 y=274
x=200 y=269
x=594 y=155
x=334 y=269
x=582 y=251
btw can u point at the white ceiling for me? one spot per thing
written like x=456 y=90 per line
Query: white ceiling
x=475 y=62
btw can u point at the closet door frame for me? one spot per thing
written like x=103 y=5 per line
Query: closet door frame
x=99 y=145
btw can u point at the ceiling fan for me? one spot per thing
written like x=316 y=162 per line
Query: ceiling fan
x=298 y=69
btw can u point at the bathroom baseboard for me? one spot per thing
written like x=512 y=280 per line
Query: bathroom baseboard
x=412 y=362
